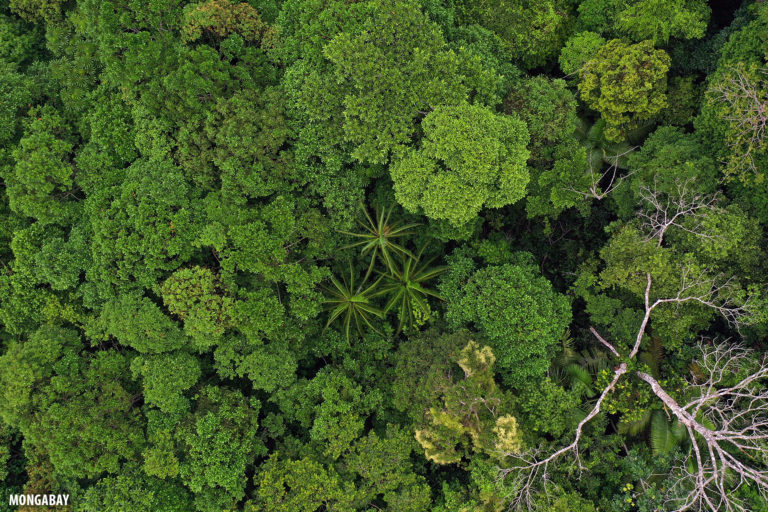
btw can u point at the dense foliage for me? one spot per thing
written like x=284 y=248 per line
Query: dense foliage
x=402 y=255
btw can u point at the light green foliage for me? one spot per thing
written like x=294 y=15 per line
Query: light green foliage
x=626 y=84
x=473 y=414
x=42 y=253
x=165 y=377
x=600 y=16
x=266 y=366
x=299 y=485
x=265 y=242
x=515 y=309
x=470 y=158
x=658 y=20
x=394 y=68
x=578 y=50
x=628 y=257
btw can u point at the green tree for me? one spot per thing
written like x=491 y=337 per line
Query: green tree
x=394 y=68
x=133 y=488
x=381 y=465
x=302 y=485
x=137 y=322
x=515 y=309
x=534 y=31
x=470 y=158
x=578 y=50
x=220 y=18
x=626 y=84
x=42 y=184
x=165 y=377
x=82 y=413
x=219 y=441
x=196 y=296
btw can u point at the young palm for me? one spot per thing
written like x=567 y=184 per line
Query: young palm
x=406 y=287
x=349 y=303
x=378 y=238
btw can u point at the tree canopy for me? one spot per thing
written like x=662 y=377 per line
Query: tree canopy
x=384 y=255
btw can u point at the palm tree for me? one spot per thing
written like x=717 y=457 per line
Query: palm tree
x=378 y=238
x=350 y=303
x=405 y=284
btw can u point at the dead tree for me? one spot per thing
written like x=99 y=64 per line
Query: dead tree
x=667 y=210
x=727 y=428
x=529 y=471
x=737 y=445
x=745 y=99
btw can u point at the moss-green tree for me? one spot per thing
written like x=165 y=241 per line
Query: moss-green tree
x=626 y=84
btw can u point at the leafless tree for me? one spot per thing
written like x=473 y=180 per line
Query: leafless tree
x=667 y=210
x=746 y=101
x=727 y=426
x=738 y=412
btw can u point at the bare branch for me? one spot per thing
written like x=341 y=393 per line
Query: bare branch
x=727 y=427
x=610 y=175
x=712 y=290
x=529 y=471
x=746 y=109
x=602 y=340
x=669 y=210
x=739 y=412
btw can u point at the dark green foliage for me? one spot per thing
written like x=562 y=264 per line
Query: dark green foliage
x=371 y=255
x=533 y=31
